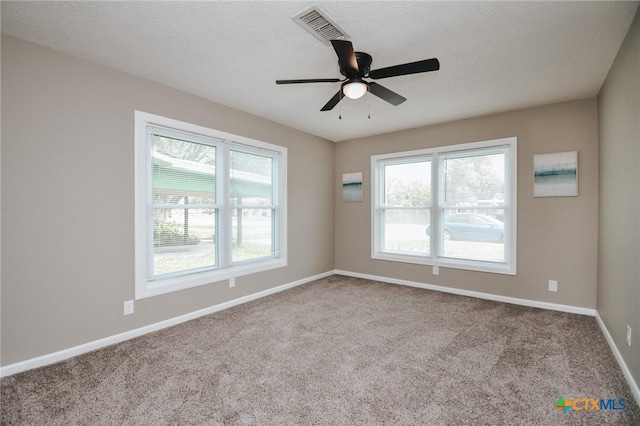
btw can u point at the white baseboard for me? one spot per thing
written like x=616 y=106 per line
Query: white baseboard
x=100 y=343
x=54 y=357
x=623 y=366
x=477 y=294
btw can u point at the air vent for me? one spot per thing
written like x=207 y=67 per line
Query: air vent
x=318 y=23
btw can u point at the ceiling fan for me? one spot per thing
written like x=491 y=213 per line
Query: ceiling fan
x=355 y=66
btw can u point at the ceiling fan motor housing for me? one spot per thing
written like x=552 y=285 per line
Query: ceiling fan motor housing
x=364 y=65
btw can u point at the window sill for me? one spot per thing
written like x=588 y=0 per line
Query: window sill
x=468 y=265
x=183 y=282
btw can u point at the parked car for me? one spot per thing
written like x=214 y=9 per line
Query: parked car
x=472 y=227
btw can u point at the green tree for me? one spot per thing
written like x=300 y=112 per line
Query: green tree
x=470 y=179
x=403 y=193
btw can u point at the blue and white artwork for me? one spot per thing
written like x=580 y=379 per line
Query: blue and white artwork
x=352 y=186
x=555 y=175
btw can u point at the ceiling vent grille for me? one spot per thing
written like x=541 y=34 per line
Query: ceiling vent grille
x=318 y=23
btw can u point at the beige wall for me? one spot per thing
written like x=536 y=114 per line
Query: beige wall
x=67 y=200
x=619 y=236
x=557 y=237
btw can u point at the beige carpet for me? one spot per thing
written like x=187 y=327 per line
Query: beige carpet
x=337 y=351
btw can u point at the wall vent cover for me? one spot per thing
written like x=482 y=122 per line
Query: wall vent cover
x=318 y=23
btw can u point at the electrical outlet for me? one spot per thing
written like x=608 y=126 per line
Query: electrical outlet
x=553 y=285
x=128 y=307
x=628 y=335
x=436 y=270
x=232 y=282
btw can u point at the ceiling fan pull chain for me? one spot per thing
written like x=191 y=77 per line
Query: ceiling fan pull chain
x=369 y=102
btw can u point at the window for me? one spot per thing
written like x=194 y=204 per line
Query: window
x=451 y=206
x=209 y=205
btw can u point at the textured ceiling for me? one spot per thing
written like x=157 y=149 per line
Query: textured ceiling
x=494 y=56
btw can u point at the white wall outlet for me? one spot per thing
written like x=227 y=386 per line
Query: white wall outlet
x=128 y=307
x=553 y=285
x=232 y=282
x=628 y=335
x=436 y=270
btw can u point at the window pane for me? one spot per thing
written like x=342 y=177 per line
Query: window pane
x=183 y=172
x=251 y=179
x=183 y=239
x=252 y=233
x=407 y=185
x=406 y=231
x=474 y=234
x=474 y=180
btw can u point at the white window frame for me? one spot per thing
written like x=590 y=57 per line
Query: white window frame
x=226 y=269
x=435 y=257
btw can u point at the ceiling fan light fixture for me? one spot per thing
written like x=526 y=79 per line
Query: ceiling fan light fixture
x=354 y=89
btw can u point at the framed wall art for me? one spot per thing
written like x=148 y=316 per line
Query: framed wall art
x=556 y=174
x=352 y=187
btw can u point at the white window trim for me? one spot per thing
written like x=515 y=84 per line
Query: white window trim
x=508 y=267
x=145 y=288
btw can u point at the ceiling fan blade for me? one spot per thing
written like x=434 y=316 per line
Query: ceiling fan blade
x=346 y=55
x=385 y=94
x=410 y=68
x=309 y=80
x=333 y=101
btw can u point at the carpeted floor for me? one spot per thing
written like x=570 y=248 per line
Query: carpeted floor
x=338 y=351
